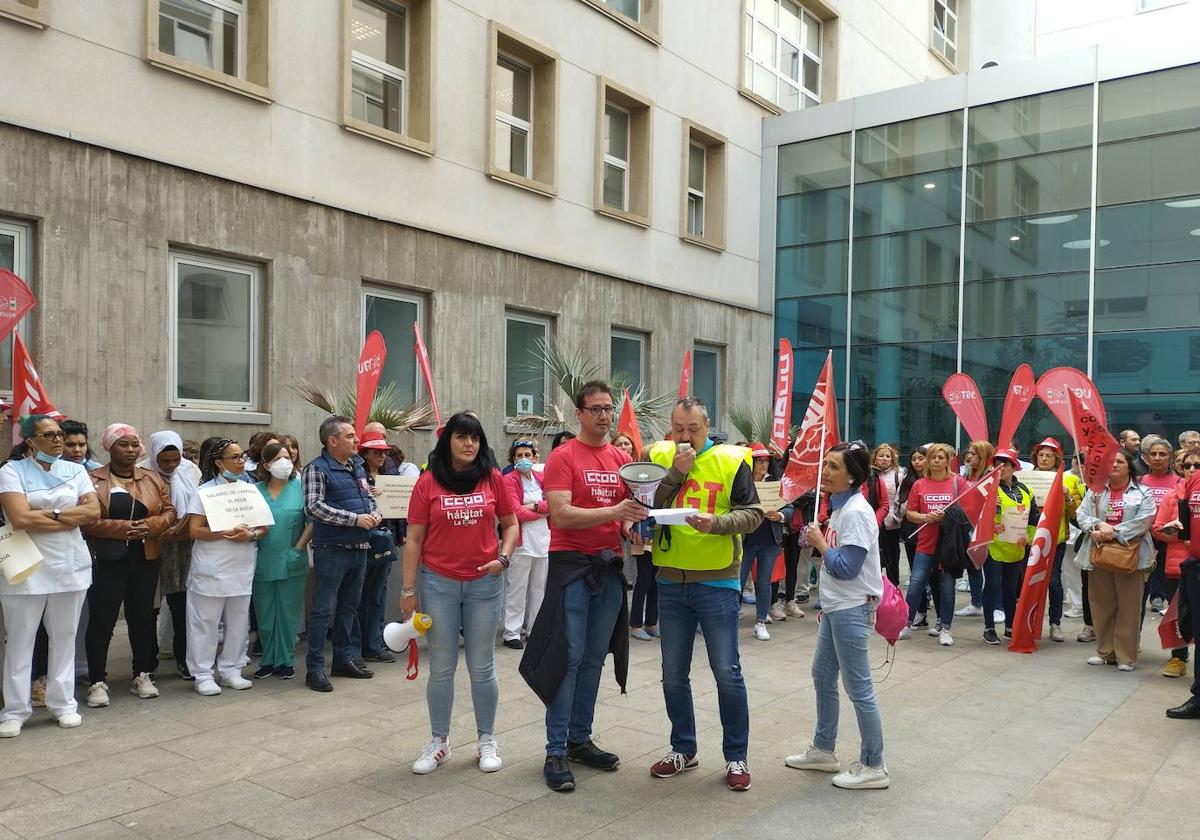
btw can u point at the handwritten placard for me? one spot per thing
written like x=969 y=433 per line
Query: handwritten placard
x=19 y=557
x=237 y=503
x=395 y=494
x=1038 y=482
x=769 y=497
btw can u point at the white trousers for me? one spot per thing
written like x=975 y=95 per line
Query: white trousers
x=524 y=588
x=1071 y=580
x=22 y=615
x=203 y=618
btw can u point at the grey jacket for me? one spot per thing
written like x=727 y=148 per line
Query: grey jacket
x=1135 y=524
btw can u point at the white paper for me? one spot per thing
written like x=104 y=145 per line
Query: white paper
x=237 y=503
x=396 y=492
x=19 y=557
x=1015 y=522
x=1038 y=482
x=672 y=516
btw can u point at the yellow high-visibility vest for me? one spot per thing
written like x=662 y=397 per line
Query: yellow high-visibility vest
x=1007 y=552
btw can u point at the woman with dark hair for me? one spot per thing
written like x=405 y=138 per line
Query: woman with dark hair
x=293 y=448
x=254 y=448
x=916 y=468
x=886 y=461
x=75 y=445
x=1048 y=456
x=366 y=634
x=851 y=586
x=452 y=548
x=561 y=438
x=1008 y=552
x=525 y=579
x=175 y=545
x=1187 y=461
x=49 y=499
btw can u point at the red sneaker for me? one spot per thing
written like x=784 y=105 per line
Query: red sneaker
x=673 y=764
x=737 y=775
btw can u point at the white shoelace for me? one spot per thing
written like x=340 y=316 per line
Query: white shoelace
x=433 y=750
x=678 y=760
x=738 y=767
x=487 y=747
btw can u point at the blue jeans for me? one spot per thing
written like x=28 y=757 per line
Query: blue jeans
x=367 y=633
x=681 y=606
x=588 y=621
x=337 y=588
x=1056 y=586
x=765 y=555
x=1002 y=589
x=922 y=565
x=975 y=581
x=473 y=605
x=843 y=643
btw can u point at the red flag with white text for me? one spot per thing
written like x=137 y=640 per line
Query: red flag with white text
x=1031 y=606
x=1053 y=387
x=627 y=424
x=685 y=377
x=15 y=301
x=961 y=392
x=985 y=526
x=370 y=368
x=29 y=395
x=426 y=372
x=1098 y=445
x=818 y=432
x=1016 y=402
x=782 y=420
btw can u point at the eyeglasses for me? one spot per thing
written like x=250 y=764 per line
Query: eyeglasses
x=599 y=410
x=1189 y=466
x=240 y=457
x=51 y=435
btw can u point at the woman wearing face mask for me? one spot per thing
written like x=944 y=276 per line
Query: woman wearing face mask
x=1048 y=456
x=49 y=499
x=366 y=635
x=220 y=580
x=525 y=578
x=135 y=511
x=281 y=568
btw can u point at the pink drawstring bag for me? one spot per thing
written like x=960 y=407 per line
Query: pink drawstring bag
x=892 y=613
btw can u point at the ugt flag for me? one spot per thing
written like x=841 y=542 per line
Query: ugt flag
x=818 y=433
x=1031 y=606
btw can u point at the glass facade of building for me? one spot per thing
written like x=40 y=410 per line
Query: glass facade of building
x=964 y=241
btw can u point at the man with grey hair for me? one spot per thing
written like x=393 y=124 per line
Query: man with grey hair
x=1189 y=439
x=337 y=498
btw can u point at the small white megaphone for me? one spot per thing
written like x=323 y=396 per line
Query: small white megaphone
x=400 y=635
x=642 y=478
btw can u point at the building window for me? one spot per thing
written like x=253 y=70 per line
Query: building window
x=222 y=42
x=526 y=380
x=781 y=54
x=36 y=13
x=387 y=75
x=523 y=101
x=707 y=367
x=215 y=332
x=641 y=16
x=393 y=314
x=945 y=29
x=702 y=206
x=1151 y=5
x=627 y=358
x=623 y=159
x=16 y=255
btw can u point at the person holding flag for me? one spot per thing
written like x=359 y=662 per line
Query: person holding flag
x=1008 y=554
x=1048 y=456
x=927 y=503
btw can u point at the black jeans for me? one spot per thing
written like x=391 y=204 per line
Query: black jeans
x=643 y=609
x=1156 y=584
x=1192 y=582
x=177 y=601
x=889 y=553
x=1002 y=586
x=1056 y=587
x=131 y=581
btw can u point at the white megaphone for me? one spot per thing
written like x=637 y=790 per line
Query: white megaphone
x=642 y=478
x=400 y=635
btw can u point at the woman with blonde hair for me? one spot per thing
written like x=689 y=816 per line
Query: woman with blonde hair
x=885 y=459
x=927 y=502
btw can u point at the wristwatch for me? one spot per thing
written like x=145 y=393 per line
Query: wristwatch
x=57 y=512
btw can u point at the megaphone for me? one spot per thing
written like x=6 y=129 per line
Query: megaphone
x=642 y=478
x=397 y=636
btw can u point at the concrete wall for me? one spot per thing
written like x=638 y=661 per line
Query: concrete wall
x=105 y=223
x=1064 y=25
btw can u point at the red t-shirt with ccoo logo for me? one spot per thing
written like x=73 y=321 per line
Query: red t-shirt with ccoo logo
x=590 y=474
x=929 y=496
x=460 y=530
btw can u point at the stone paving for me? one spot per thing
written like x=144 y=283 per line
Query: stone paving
x=980 y=742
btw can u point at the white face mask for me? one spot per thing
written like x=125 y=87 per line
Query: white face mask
x=281 y=469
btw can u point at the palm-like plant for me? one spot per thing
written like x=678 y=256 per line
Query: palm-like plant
x=385 y=408
x=754 y=423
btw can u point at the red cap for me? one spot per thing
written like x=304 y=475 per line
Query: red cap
x=1007 y=455
x=757 y=450
x=1049 y=443
x=373 y=440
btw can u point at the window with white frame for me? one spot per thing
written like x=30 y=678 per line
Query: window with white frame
x=616 y=156
x=379 y=63
x=707 y=367
x=16 y=248
x=627 y=358
x=393 y=314
x=513 y=93
x=782 y=55
x=945 y=29
x=215 y=317
x=526 y=380
x=697 y=161
x=211 y=33
x=632 y=9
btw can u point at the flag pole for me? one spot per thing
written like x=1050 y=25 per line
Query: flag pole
x=982 y=482
x=820 y=469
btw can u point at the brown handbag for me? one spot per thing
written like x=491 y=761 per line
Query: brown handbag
x=1115 y=557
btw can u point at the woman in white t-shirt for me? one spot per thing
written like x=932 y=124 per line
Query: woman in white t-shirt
x=851 y=586
x=525 y=578
x=220 y=580
x=49 y=498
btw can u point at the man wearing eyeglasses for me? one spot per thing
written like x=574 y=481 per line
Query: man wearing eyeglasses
x=584 y=614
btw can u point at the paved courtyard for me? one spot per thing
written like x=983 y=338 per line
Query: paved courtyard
x=980 y=743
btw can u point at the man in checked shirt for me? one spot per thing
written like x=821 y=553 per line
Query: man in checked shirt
x=338 y=500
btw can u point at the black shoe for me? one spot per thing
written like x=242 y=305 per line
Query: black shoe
x=515 y=644
x=285 y=672
x=558 y=775
x=1007 y=633
x=256 y=649
x=989 y=636
x=801 y=597
x=381 y=656
x=1188 y=711
x=921 y=621
x=317 y=681
x=184 y=673
x=352 y=670
x=264 y=672
x=586 y=752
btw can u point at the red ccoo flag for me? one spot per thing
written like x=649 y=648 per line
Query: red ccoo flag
x=782 y=420
x=1100 y=446
x=1031 y=606
x=29 y=395
x=818 y=432
x=628 y=424
x=685 y=377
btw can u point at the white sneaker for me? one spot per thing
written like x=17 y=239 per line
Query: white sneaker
x=435 y=752
x=489 y=759
x=969 y=610
x=143 y=687
x=1073 y=612
x=936 y=630
x=945 y=640
x=776 y=612
x=207 y=687
x=861 y=777
x=237 y=682
x=760 y=632
x=1056 y=633
x=998 y=616
x=1097 y=660
x=793 y=610
x=904 y=634
x=70 y=720
x=1125 y=666
x=963 y=585
x=10 y=728
x=814 y=758
x=97 y=697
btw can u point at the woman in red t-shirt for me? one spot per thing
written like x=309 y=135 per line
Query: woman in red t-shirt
x=978 y=462
x=1160 y=481
x=928 y=498
x=452 y=549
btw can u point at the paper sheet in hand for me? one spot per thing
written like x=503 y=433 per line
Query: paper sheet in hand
x=1015 y=521
x=19 y=557
x=395 y=496
x=672 y=516
x=769 y=497
x=237 y=503
x=1038 y=482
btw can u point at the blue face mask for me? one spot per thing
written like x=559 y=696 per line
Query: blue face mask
x=47 y=459
x=230 y=476
x=524 y=464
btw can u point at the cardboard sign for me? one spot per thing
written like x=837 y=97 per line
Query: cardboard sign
x=769 y=495
x=396 y=493
x=19 y=557
x=237 y=503
x=1038 y=482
